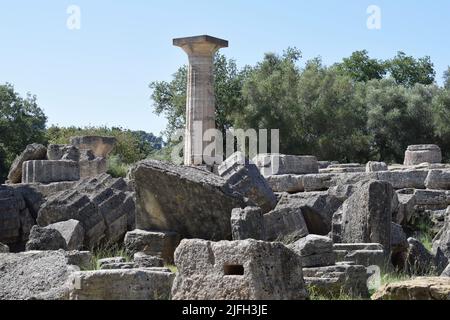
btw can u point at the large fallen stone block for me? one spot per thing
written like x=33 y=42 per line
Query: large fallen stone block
x=316 y=251
x=419 y=260
x=72 y=231
x=418 y=154
x=32 y=152
x=41 y=275
x=366 y=216
x=422 y=288
x=100 y=203
x=446 y=272
x=286 y=183
x=47 y=171
x=43 y=239
x=317 y=209
x=248 y=223
x=63 y=152
x=15 y=218
x=120 y=284
x=159 y=244
x=399 y=246
x=100 y=146
x=237 y=270
x=278 y=164
x=365 y=254
x=438 y=179
x=190 y=201
x=405 y=208
x=441 y=242
x=404 y=179
x=244 y=177
x=373 y=166
x=343 y=168
x=285 y=224
x=333 y=281
x=92 y=168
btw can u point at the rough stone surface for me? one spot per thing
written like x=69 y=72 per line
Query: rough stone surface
x=63 y=152
x=317 y=209
x=373 y=166
x=99 y=203
x=81 y=259
x=45 y=240
x=404 y=179
x=32 y=152
x=366 y=216
x=286 y=183
x=399 y=246
x=438 y=179
x=244 y=177
x=34 y=275
x=143 y=260
x=247 y=223
x=446 y=272
x=316 y=251
x=100 y=146
x=72 y=232
x=91 y=168
x=186 y=200
x=237 y=270
x=120 y=284
x=365 y=254
x=279 y=164
x=418 y=154
x=4 y=248
x=419 y=260
x=422 y=288
x=285 y=224
x=405 y=208
x=47 y=171
x=159 y=244
x=112 y=260
x=334 y=280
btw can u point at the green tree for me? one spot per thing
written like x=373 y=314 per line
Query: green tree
x=408 y=71
x=22 y=122
x=447 y=78
x=360 y=67
x=169 y=98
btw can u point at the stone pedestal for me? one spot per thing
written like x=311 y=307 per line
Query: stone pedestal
x=200 y=106
x=421 y=153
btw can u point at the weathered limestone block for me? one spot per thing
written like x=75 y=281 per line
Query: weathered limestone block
x=72 y=231
x=316 y=251
x=285 y=224
x=422 y=288
x=100 y=204
x=366 y=216
x=143 y=260
x=317 y=209
x=63 y=152
x=373 y=166
x=4 y=248
x=244 y=177
x=237 y=270
x=343 y=168
x=431 y=199
x=47 y=171
x=45 y=240
x=418 y=154
x=32 y=152
x=100 y=146
x=159 y=244
x=334 y=280
x=405 y=208
x=419 y=260
x=404 y=179
x=14 y=216
x=399 y=246
x=120 y=284
x=186 y=200
x=279 y=164
x=343 y=191
x=247 y=223
x=119 y=265
x=286 y=183
x=446 y=272
x=441 y=242
x=438 y=179
x=365 y=254
x=112 y=260
x=91 y=168
x=81 y=259
x=41 y=275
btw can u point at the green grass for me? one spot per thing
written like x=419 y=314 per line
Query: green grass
x=427 y=240
x=172 y=268
x=116 y=168
x=110 y=251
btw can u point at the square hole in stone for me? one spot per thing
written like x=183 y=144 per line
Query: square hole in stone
x=233 y=270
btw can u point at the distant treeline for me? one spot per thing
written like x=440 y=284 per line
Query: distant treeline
x=356 y=110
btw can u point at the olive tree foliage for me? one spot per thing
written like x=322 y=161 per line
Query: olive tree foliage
x=22 y=122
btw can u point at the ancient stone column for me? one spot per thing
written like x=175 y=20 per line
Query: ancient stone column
x=200 y=101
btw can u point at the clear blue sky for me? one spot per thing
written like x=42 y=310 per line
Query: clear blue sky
x=99 y=75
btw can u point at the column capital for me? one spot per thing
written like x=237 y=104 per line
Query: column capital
x=200 y=45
